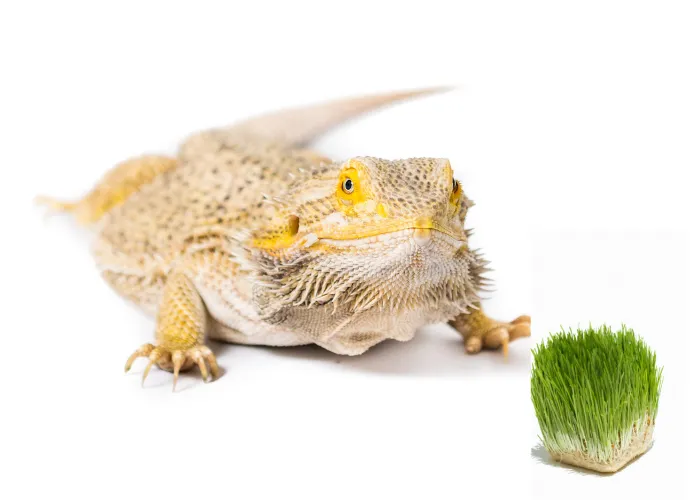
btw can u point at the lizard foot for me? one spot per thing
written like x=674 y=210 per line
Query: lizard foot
x=480 y=331
x=176 y=360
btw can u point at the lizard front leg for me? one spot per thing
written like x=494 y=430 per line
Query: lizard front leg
x=478 y=331
x=180 y=331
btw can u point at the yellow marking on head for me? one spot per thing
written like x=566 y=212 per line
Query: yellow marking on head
x=456 y=194
x=280 y=238
x=351 y=190
x=381 y=210
x=424 y=223
x=272 y=243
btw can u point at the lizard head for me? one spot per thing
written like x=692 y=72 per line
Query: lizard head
x=368 y=233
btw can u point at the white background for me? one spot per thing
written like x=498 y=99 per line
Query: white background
x=575 y=129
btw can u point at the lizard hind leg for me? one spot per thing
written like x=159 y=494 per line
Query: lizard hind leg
x=479 y=331
x=114 y=188
x=180 y=330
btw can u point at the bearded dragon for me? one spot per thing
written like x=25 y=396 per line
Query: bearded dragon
x=246 y=236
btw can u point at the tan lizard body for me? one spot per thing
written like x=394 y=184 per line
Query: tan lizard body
x=247 y=237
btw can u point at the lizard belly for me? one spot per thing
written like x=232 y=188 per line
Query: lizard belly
x=237 y=321
x=368 y=329
x=261 y=336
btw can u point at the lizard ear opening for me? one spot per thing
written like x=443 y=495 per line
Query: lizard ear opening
x=293 y=225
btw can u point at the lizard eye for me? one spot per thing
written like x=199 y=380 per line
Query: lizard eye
x=456 y=192
x=348 y=186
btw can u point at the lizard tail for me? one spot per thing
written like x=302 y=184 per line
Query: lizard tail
x=115 y=186
x=298 y=126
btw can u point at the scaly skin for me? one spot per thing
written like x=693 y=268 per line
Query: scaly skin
x=247 y=237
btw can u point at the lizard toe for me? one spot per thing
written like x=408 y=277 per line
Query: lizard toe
x=176 y=361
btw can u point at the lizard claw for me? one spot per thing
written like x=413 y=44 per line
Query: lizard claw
x=176 y=360
x=151 y=360
x=144 y=350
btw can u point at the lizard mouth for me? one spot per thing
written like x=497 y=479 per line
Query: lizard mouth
x=421 y=231
x=420 y=236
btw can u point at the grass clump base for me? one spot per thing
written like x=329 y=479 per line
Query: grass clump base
x=596 y=396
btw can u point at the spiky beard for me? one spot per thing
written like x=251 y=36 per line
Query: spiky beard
x=381 y=276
